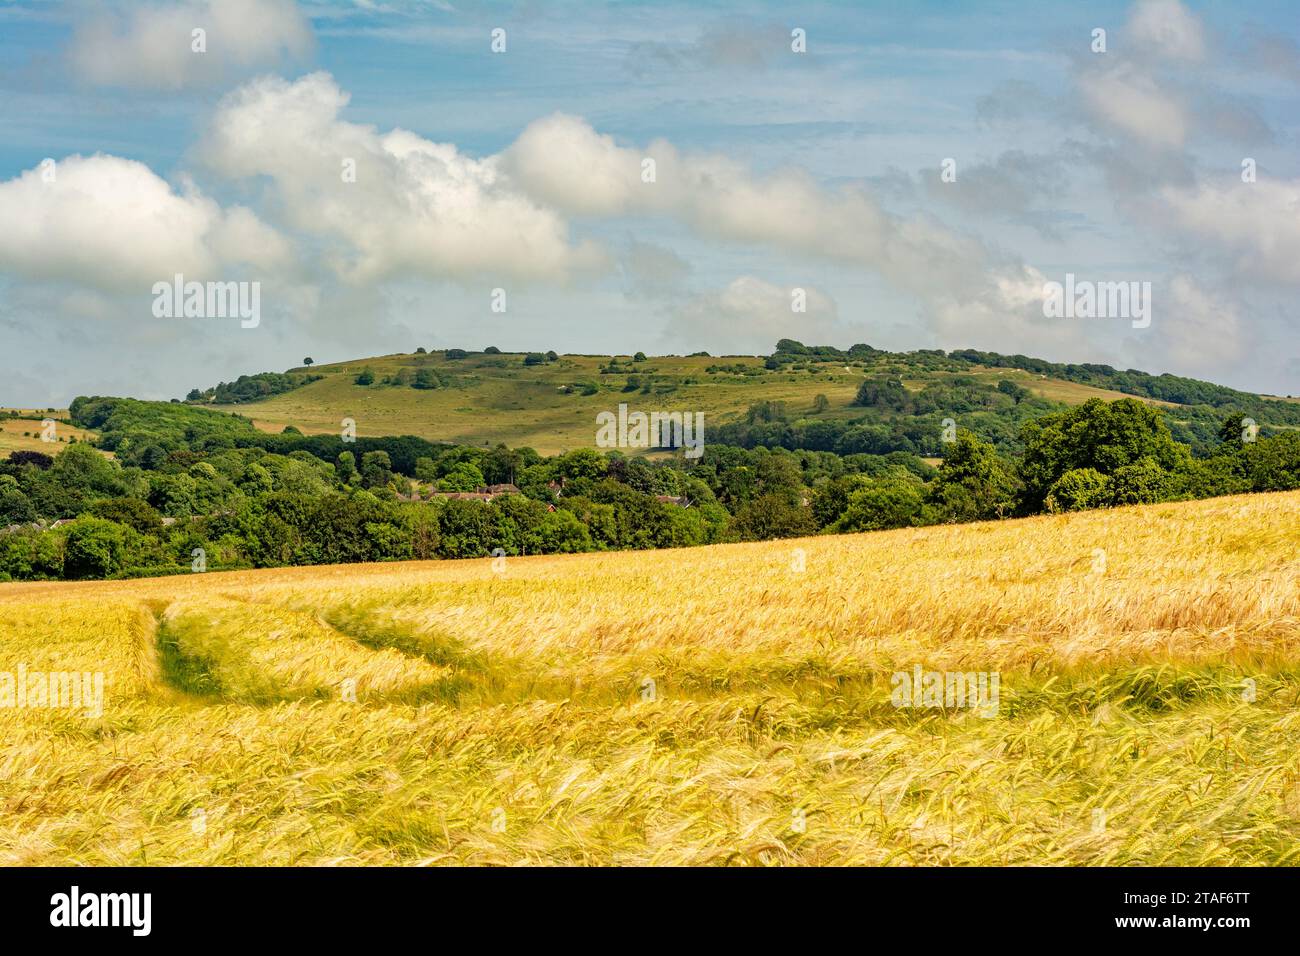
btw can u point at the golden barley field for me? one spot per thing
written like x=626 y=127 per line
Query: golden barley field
x=728 y=705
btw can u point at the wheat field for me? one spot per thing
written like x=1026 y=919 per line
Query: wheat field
x=728 y=705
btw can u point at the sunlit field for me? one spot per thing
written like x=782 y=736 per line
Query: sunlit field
x=24 y=434
x=728 y=705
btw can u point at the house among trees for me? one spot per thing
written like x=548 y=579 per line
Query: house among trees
x=481 y=493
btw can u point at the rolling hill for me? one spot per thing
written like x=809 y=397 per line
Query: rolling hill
x=488 y=399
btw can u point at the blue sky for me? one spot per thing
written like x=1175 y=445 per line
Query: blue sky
x=518 y=170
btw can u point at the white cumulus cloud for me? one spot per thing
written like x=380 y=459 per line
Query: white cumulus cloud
x=751 y=314
x=565 y=163
x=1167 y=28
x=1256 y=226
x=1132 y=102
x=1202 y=331
x=387 y=204
x=155 y=46
x=112 y=223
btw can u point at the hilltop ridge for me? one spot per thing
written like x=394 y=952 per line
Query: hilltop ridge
x=800 y=396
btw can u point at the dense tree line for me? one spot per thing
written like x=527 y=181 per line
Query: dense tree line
x=246 y=507
x=898 y=417
x=145 y=433
x=208 y=498
x=895 y=419
x=251 y=388
x=789 y=351
x=1166 y=388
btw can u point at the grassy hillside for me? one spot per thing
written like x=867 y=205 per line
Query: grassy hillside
x=24 y=434
x=723 y=705
x=494 y=399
